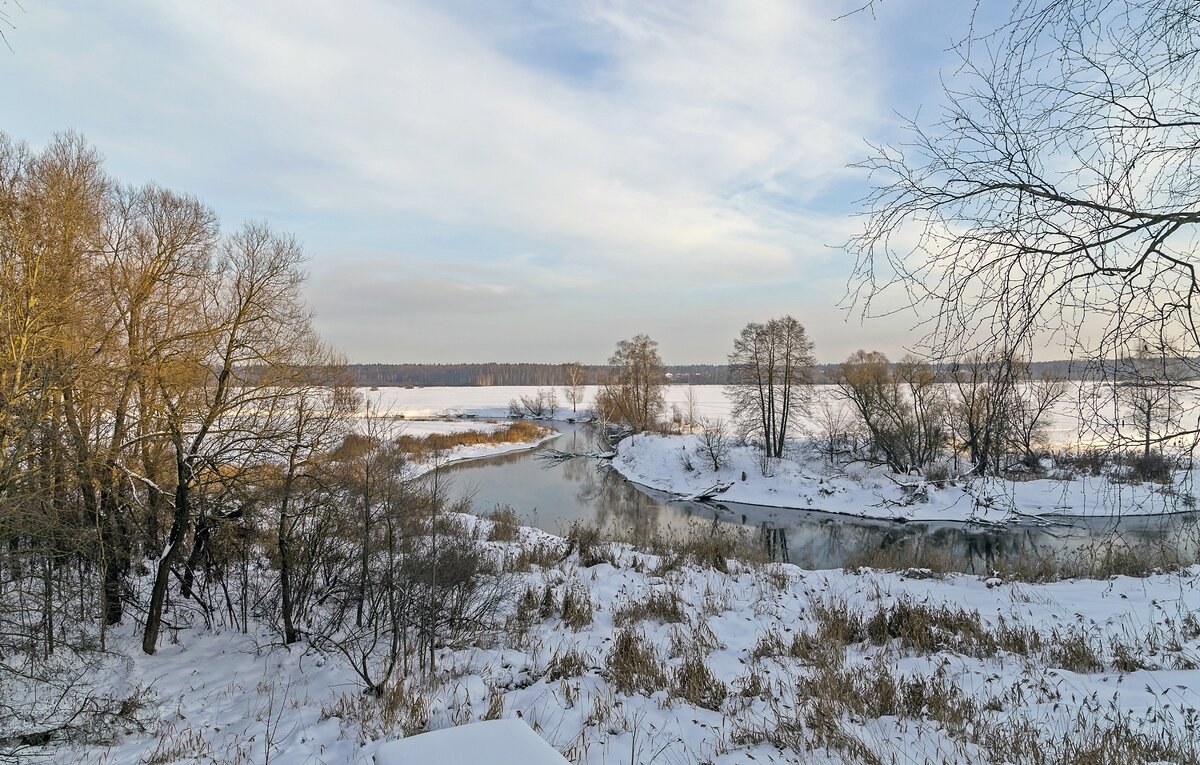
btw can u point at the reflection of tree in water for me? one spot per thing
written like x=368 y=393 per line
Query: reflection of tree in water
x=833 y=543
x=621 y=507
x=776 y=543
x=578 y=470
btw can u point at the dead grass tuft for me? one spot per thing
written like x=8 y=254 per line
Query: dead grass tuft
x=660 y=606
x=633 y=666
x=505 y=526
x=588 y=541
x=695 y=683
x=566 y=664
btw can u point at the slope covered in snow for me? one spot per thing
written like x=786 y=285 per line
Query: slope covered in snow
x=612 y=655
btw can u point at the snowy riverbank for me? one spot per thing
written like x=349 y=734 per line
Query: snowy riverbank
x=806 y=481
x=659 y=659
x=474 y=451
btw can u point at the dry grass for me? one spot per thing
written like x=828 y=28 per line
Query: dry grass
x=633 y=666
x=695 y=683
x=172 y=746
x=923 y=629
x=914 y=556
x=505 y=526
x=574 y=607
x=542 y=554
x=833 y=700
x=697 y=637
x=707 y=545
x=1105 y=558
x=660 y=606
x=402 y=709
x=566 y=664
x=420 y=447
x=590 y=544
x=577 y=609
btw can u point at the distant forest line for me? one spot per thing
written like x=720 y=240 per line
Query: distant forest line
x=488 y=374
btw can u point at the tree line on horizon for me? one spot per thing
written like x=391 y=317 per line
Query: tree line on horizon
x=539 y=374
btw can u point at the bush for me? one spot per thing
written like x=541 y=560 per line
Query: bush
x=714 y=443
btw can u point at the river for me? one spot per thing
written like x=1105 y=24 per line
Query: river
x=551 y=496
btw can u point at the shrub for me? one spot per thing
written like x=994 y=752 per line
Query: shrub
x=420 y=447
x=505 y=526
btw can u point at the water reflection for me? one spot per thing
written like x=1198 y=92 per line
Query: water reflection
x=551 y=496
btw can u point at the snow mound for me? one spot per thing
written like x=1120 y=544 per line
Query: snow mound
x=494 y=742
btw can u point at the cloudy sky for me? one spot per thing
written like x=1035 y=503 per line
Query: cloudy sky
x=508 y=181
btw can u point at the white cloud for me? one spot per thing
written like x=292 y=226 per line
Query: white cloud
x=657 y=168
x=435 y=157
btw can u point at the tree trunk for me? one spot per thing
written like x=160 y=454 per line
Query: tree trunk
x=158 y=595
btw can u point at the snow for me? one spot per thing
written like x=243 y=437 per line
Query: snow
x=222 y=695
x=451 y=401
x=225 y=696
x=710 y=403
x=493 y=742
x=804 y=480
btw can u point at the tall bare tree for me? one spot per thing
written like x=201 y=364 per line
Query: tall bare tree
x=1057 y=190
x=249 y=314
x=575 y=375
x=770 y=369
x=634 y=395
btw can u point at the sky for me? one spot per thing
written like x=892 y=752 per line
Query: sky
x=509 y=181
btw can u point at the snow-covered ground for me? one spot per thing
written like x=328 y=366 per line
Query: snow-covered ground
x=758 y=664
x=451 y=401
x=498 y=742
x=710 y=402
x=804 y=480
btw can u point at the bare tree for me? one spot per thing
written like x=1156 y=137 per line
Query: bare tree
x=984 y=408
x=1040 y=396
x=769 y=373
x=1056 y=191
x=319 y=420
x=542 y=403
x=900 y=407
x=248 y=312
x=1148 y=396
x=833 y=426
x=714 y=442
x=691 y=409
x=576 y=377
x=634 y=396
